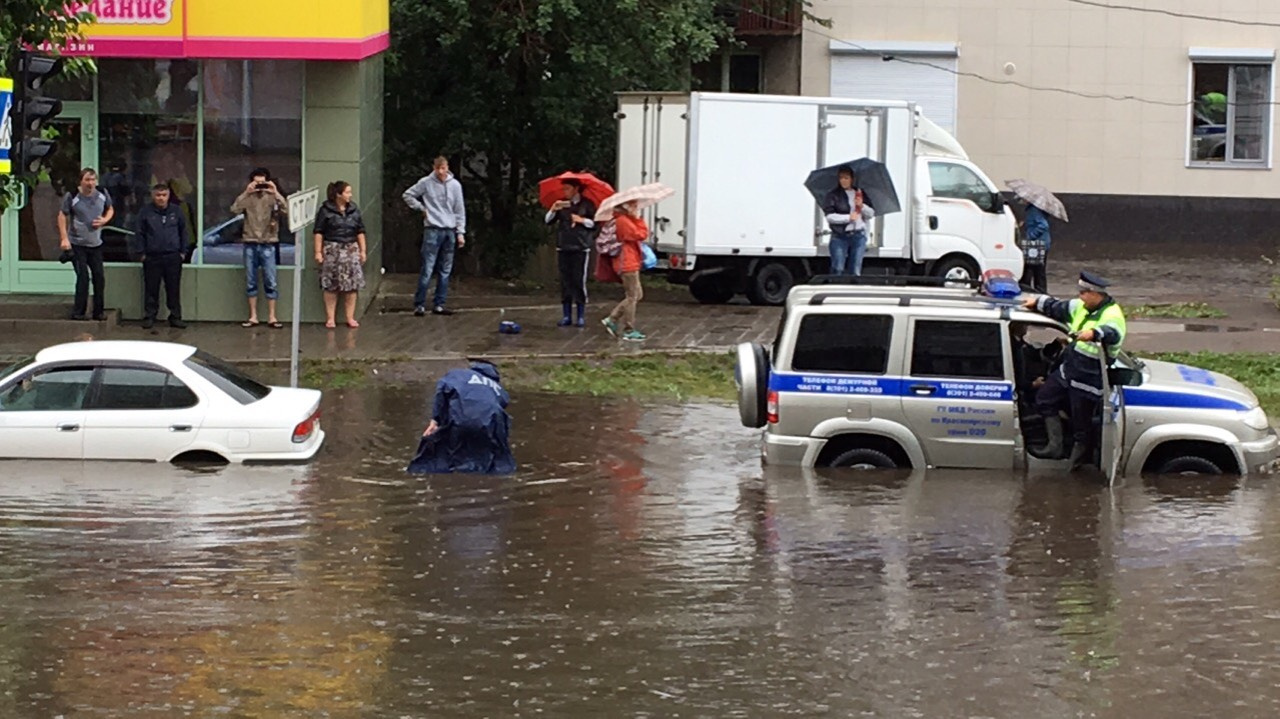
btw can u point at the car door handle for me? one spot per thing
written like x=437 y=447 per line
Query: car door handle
x=924 y=390
x=68 y=427
x=933 y=222
x=179 y=428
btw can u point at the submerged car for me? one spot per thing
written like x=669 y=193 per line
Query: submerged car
x=150 y=401
x=880 y=376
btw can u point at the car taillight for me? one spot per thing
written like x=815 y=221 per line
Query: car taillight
x=676 y=261
x=306 y=428
x=771 y=408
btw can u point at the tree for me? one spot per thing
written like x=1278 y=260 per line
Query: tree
x=45 y=24
x=516 y=90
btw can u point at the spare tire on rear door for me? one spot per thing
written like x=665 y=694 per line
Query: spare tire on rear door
x=752 y=376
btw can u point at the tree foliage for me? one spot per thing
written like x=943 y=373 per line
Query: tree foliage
x=516 y=90
x=48 y=24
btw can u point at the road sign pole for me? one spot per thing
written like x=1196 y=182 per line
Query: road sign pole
x=299 y=263
x=302 y=211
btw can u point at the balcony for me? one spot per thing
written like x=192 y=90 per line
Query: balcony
x=767 y=17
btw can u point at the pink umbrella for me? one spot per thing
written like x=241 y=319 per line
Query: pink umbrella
x=643 y=195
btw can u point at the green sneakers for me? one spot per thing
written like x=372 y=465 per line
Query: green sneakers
x=633 y=336
x=610 y=325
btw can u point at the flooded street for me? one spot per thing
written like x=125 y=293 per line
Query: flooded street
x=641 y=564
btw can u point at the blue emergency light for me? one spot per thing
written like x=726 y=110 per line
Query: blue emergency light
x=1000 y=284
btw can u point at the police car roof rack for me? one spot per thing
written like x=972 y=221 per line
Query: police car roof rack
x=906 y=300
x=892 y=281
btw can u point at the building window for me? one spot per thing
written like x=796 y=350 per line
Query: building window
x=1231 y=113
x=252 y=119
x=737 y=72
x=147 y=128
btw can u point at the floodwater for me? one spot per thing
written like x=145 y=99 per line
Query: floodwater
x=640 y=565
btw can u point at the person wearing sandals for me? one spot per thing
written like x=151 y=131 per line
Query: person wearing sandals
x=340 y=252
x=262 y=206
x=631 y=231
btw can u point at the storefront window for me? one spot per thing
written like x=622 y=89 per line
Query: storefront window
x=252 y=119
x=38 y=237
x=147 y=125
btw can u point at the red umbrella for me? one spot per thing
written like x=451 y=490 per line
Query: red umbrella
x=594 y=189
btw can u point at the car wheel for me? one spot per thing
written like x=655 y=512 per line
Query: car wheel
x=770 y=284
x=712 y=290
x=1189 y=466
x=864 y=459
x=957 y=269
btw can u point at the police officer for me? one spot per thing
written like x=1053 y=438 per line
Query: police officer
x=1097 y=325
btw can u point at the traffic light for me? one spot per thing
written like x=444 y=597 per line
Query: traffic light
x=32 y=111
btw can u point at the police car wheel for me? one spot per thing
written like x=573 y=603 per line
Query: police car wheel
x=1188 y=466
x=863 y=459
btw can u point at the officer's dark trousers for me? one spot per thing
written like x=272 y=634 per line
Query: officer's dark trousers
x=1057 y=395
x=167 y=268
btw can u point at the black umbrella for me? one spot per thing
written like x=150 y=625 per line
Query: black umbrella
x=869 y=176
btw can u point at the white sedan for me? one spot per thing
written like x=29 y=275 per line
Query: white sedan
x=150 y=401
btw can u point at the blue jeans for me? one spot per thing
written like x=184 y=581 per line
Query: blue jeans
x=260 y=256
x=438 y=245
x=847 y=249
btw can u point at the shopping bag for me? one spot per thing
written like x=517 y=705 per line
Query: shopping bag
x=650 y=257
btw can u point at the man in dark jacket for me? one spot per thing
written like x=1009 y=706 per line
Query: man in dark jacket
x=574 y=217
x=470 y=430
x=162 y=236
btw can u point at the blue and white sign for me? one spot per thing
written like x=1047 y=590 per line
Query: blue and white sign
x=6 y=125
x=889 y=386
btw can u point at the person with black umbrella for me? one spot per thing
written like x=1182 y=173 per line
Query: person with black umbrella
x=848 y=214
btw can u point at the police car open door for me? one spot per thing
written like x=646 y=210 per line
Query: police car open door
x=1112 y=446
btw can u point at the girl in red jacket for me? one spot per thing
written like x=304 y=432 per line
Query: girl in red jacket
x=632 y=231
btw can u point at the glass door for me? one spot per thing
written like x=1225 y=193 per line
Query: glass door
x=31 y=253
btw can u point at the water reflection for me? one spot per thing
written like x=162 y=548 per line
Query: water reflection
x=640 y=564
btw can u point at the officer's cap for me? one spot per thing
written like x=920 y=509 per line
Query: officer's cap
x=1093 y=283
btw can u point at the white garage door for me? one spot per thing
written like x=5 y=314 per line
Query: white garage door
x=867 y=77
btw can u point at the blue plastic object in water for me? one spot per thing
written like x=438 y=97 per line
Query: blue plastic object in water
x=507 y=327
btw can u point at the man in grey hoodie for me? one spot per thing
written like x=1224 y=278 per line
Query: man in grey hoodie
x=438 y=197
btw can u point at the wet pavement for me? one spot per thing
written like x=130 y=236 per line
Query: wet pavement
x=641 y=564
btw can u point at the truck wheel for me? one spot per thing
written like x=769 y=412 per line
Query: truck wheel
x=712 y=290
x=1189 y=465
x=864 y=459
x=957 y=267
x=770 y=284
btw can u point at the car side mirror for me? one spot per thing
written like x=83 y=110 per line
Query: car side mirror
x=1124 y=377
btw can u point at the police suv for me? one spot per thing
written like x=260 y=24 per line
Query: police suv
x=903 y=373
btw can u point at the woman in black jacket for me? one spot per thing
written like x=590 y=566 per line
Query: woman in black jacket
x=340 y=252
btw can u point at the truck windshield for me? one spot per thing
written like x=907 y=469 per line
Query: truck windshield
x=242 y=388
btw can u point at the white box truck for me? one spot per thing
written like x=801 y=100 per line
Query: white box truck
x=741 y=220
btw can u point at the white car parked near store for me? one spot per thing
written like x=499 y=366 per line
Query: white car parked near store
x=150 y=401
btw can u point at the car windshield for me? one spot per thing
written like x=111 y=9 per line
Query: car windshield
x=15 y=367
x=242 y=388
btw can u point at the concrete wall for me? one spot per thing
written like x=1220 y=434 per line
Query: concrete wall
x=342 y=140
x=1072 y=144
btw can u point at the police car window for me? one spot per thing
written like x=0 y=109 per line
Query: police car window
x=960 y=183
x=55 y=390
x=141 y=388
x=843 y=343
x=957 y=349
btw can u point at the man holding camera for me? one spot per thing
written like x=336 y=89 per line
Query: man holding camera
x=262 y=206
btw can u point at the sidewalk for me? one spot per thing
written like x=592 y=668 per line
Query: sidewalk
x=673 y=321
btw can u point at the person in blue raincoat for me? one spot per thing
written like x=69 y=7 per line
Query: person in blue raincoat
x=470 y=430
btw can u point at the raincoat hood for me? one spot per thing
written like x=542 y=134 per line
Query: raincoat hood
x=487 y=369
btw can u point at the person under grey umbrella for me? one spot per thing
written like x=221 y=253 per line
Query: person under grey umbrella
x=847 y=213
x=1038 y=206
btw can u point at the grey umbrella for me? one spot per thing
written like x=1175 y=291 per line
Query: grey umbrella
x=1039 y=196
x=869 y=176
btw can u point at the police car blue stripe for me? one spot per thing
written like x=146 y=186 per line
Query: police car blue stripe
x=888 y=386
x=1136 y=397
x=871 y=385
